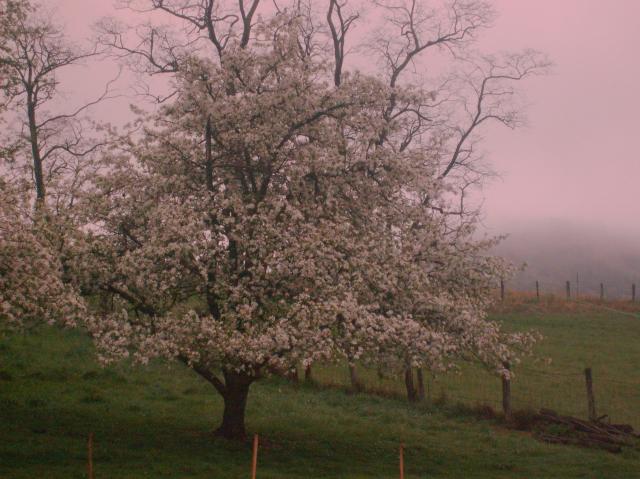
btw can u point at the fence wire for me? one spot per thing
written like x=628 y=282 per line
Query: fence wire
x=531 y=389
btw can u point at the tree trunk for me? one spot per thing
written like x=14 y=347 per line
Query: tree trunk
x=208 y=155
x=292 y=375
x=412 y=394
x=38 y=173
x=356 y=385
x=420 y=384
x=236 y=391
x=308 y=376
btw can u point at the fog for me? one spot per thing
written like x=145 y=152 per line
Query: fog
x=576 y=161
x=556 y=251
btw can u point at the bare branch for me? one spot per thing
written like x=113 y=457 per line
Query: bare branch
x=338 y=34
x=491 y=82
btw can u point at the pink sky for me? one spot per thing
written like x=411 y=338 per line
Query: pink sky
x=577 y=159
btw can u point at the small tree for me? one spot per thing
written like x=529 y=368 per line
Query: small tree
x=282 y=207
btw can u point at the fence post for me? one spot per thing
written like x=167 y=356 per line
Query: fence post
x=506 y=392
x=568 y=290
x=502 y=289
x=254 y=457
x=90 y=456
x=590 y=398
x=633 y=293
x=601 y=291
x=401 y=461
x=537 y=290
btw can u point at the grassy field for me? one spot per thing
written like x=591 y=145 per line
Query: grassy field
x=576 y=336
x=156 y=422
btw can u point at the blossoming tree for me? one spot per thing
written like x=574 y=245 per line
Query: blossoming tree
x=278 y=210
x=32 y=290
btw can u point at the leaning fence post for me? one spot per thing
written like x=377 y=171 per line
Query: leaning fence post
x=90 y=456
x=506 y=391
x=590 y=398
x=401 y=461
x=537 y=290
x=568 y=290
x=502 y=289
x=254 y=458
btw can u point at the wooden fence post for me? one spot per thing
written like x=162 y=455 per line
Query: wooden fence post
x=537 y=290
x=590 y=397
x=502 y=290
x=254 y=457
x=506 y=392
x=90 y=456
x=601 y=291
x=633 y=293
x=568 y=290
x=401 y=461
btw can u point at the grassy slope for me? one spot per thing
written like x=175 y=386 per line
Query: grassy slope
x=576 y=336
x=155 y=422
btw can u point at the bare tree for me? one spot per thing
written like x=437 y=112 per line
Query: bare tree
x=33 y=53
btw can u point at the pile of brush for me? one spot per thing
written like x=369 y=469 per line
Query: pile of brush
x=578 y=432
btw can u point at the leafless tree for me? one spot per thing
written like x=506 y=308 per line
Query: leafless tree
x=34 y=52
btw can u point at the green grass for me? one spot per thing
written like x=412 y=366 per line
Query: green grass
x=156 y=422
x=607 y=342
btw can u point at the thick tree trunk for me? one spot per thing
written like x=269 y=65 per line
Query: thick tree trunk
x=236 y=391
x=412 y=394
x=420 y=384
x=308 y=376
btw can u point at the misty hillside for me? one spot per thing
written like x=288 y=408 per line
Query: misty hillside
x=555 y=251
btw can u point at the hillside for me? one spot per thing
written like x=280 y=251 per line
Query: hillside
x=157 y=421
x=555 y=251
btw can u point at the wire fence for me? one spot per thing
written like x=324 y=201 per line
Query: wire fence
x=631 y=298
x=561 y=387
x=616 y=401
